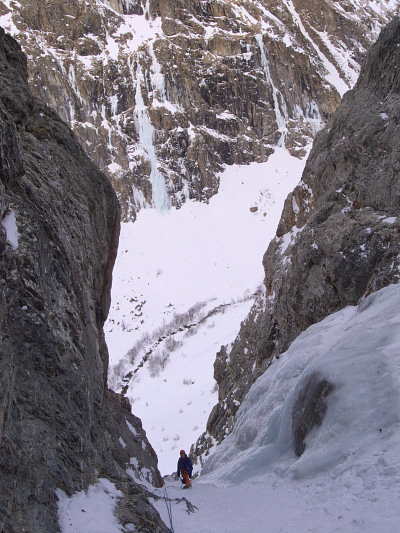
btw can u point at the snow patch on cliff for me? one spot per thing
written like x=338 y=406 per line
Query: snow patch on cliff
x=91 y=510
x=9 y=224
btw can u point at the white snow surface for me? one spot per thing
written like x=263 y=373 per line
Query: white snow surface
x=91 y=511
x=9 y=223
x=190 y=275
x=348 y=478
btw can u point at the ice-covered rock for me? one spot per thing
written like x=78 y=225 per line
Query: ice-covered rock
x=344 y=371
x=338 y=238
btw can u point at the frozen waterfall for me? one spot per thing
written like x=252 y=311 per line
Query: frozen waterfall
x=281 y=117
x=145 y=131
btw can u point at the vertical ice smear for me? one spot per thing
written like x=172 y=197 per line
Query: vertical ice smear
x=146 y=140
x=113 y=104
x=281 y=117
x=313 y=116
x=139 y=199
x=157 y=78
x=147 y=10
x=106 y=125
x=333 y=76
x=74 y=86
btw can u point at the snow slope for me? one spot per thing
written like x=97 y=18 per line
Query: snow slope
x=348 y=478
x=90 y=511
x=188 y=277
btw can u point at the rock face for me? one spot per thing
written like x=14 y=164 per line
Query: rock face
x=309 y=409
x=162 y=94
x=60 y=428
x=339 y=235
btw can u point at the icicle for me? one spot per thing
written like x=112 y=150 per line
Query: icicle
x=147 y=10
x=185 y=190
x=157 y=78
x=113 y=104
x=138 y=199
x=74 y=86
x=313 y=116
x=145 y=131
x=280 y=117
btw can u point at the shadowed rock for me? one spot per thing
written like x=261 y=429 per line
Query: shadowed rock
x=60 y=428
x=309 y=409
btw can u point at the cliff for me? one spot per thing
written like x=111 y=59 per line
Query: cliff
x=338 y=238
x=163 y=94
x=60 y=427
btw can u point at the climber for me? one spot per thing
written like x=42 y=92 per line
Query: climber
x=185 y=468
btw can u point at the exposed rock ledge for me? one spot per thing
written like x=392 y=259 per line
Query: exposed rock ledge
x=59 y=425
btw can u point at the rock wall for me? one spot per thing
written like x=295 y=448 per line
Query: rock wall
x=60 y=427
x=339 y=235
x=165 y=93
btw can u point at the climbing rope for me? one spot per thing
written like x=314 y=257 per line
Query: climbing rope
x=169 y=509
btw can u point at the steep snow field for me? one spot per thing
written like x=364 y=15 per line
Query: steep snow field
x=183 y=281
x=348 y=478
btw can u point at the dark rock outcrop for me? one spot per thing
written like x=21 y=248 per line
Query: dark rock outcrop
x=339 y=235
x=309 y=409
x=60 y=427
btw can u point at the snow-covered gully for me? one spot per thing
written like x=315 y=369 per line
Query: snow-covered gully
x=348 y=478
x=202 y=115
x=164 y=277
